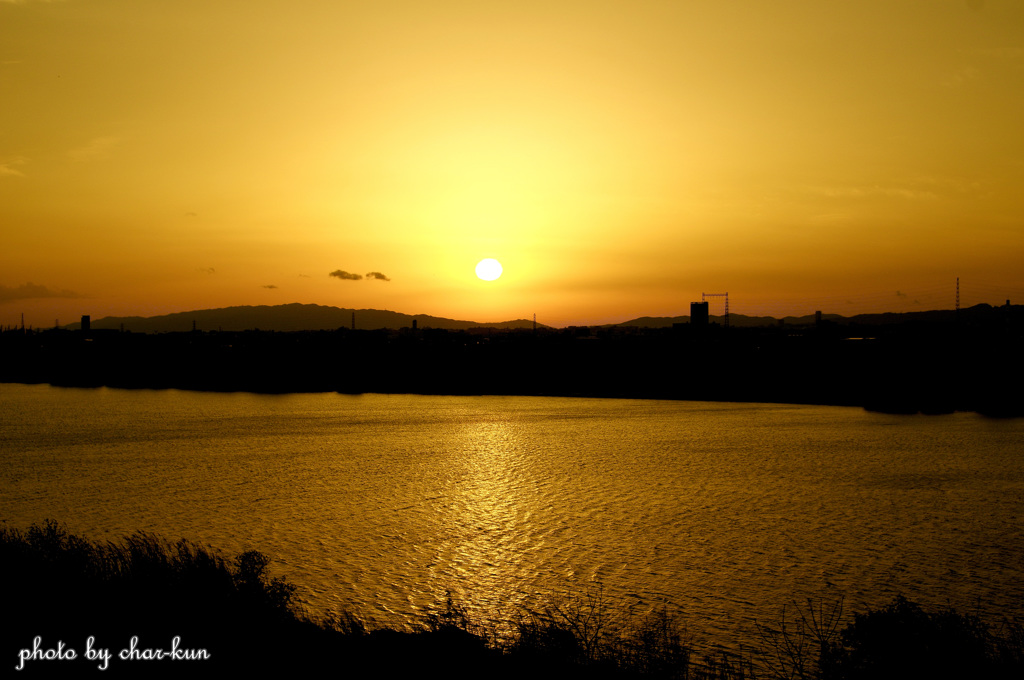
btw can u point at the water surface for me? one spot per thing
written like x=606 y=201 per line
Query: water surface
x=380 y=504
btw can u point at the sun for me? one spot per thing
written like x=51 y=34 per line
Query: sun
x=488 y=269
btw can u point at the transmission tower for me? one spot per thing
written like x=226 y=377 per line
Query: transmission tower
x=725 y=316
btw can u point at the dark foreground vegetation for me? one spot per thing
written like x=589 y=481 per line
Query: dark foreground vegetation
x=206 y=615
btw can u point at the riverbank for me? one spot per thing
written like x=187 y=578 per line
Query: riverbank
x=143 y=605
x=904 y=372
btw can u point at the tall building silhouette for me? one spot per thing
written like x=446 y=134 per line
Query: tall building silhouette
x=699 y=313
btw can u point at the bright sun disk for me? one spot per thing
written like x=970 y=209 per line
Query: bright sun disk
x=488 y=269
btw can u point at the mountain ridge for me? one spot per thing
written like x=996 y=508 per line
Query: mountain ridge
x=875 y=319
x=297 y=316
x=287 y=317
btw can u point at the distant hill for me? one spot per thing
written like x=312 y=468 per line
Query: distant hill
x=978 y=313
x=738 y=320
x=301 y=317
x=291 y=317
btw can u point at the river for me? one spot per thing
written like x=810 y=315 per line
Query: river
x=381 y=504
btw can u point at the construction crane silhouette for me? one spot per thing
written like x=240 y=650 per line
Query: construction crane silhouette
x=725 y=316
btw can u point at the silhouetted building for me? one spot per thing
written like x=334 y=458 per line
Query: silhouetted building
x=699 y=313
x=86 y=323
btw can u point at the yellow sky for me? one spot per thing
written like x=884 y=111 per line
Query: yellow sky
x=618 y=158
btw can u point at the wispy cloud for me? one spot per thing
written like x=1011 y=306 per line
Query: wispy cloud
x=206 y=270
x=911 y=188
x=7 y=168
x=271 y=287
x=95 y=148
x=987 y=61
x=1007 y=53
x=30 y=291
x=831 y=218
x=891 y=191
x=349 y=276
x=961 y=76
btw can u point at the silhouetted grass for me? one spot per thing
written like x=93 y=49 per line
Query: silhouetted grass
x=902 y=640
x=899 y=641
x=63 y=588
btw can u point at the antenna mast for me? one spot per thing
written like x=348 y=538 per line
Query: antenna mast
x=725 y=316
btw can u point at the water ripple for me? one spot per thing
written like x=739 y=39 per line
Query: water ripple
x=382 y=504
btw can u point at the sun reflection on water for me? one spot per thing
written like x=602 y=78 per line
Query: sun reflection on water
x=381 y=505
x=485 y=557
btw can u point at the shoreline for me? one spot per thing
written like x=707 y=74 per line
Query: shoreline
x=890 y=408
x=909 y=371
x=177 y=606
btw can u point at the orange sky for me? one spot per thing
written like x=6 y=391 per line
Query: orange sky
x=618 y=158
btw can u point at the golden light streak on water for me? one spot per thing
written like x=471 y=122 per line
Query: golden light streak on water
x=383 y=504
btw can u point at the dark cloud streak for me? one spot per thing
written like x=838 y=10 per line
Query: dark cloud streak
x=30 y=291
x=345 y=276
x=378 y=276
